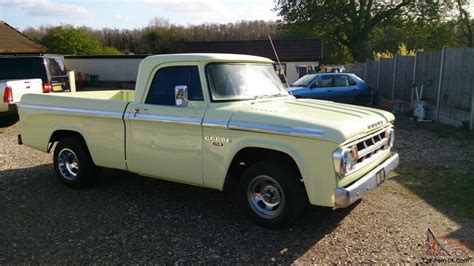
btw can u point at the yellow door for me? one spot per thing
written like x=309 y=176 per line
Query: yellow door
x=165 y=140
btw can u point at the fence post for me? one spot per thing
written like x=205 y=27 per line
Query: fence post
x=471 y=126
x=366 y=67
x=394 y=76
x=414 y=79
x=378 y=77
x=440 y=83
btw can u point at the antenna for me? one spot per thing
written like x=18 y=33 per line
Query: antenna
x=278 y=59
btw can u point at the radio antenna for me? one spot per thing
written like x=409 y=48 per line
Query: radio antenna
x=278 y=60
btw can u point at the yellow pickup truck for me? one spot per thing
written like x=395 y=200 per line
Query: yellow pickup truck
x=219 y=121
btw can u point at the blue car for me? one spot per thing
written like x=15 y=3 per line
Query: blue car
x=338 y=87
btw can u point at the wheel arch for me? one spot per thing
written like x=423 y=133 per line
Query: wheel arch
x=247 y=156
x=59 y=134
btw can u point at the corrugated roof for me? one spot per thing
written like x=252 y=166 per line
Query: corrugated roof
x=292 y=50
x=15 y=42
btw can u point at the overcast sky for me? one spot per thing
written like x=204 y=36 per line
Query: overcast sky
x=131 y=14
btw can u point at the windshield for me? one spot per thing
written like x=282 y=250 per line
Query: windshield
x=304 y=81
x=243 y=81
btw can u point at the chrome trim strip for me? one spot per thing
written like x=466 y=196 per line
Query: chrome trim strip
x=76 y=111
x=166 y=118
x=209 y=122
x=274 y=129
x=348 y=195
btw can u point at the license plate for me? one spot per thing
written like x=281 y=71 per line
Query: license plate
x=380 y=177
x=57 y=88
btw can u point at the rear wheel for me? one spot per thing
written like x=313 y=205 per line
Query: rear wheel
x=73 y=163
x=271 y=194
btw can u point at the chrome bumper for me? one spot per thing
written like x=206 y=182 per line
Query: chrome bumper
x=347 y=196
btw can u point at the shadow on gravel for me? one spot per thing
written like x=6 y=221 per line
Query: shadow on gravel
x=8 y=120
x=127 y=218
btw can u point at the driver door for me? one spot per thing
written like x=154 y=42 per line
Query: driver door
x=322 y=87
x=165 y=140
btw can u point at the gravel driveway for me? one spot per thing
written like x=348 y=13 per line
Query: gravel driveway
x=127 y=218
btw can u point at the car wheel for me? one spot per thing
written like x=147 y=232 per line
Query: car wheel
x=73 y=163
x=271 y=194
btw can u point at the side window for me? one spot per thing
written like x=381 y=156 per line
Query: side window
x=166 y=79
x=351 y=81
x=324 y=81
x=341 y=81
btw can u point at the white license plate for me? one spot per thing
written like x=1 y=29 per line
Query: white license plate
x=380 y=176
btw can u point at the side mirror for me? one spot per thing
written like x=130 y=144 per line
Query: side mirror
x=314 y=85
x=181 y=95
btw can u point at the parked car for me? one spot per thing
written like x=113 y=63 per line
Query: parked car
x=338 y=87
x=49 y=68
x=219 y=121
x=11 y=92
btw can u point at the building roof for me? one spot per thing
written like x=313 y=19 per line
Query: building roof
x=292 y=50
x=15 y=42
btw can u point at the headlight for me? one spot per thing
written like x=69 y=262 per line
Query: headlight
x=390 y=135
x=345 y=160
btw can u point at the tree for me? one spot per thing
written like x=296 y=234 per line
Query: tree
x=71 y=41
x=348 y=22
x=465 y=23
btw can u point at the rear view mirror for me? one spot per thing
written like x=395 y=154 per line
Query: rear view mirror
x=181 y=95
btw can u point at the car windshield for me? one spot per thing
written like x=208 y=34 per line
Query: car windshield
x=304 y=81
x=243 y=81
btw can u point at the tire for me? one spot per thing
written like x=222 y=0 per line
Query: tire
x=284 y=196
x=73 y=163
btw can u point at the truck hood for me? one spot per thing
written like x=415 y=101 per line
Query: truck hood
x=335 y=122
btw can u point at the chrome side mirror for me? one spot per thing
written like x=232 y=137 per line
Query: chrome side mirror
x=181 y=95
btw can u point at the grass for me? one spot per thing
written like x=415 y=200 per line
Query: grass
x=451 y=190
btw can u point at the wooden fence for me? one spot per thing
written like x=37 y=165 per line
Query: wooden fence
x=447 y=77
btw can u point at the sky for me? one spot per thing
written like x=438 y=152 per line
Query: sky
x=131 y=14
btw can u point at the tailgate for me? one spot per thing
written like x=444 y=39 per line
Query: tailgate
x=24 y=86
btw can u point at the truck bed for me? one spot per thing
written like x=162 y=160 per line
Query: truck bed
x=94 y=113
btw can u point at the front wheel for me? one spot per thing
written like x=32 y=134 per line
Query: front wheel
x=271 y=194
x=73 y=163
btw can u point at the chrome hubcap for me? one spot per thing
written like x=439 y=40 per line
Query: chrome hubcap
x=68 y=164
x=265 y=197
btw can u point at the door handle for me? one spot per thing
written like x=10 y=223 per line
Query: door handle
x=138 y=110
x=329 y=90
x=354 y=89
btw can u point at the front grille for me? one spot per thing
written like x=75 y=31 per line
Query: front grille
x=371 y=145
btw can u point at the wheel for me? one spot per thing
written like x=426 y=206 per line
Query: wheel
x=271 y=194
x=73 y=163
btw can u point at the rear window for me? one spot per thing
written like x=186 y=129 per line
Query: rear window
x=56 y=67
x=23 y=68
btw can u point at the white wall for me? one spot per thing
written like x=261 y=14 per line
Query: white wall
x=125 y=69
x=291 y=73
x=108 y=69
